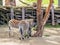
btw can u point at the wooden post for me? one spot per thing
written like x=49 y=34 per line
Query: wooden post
x=12 y=13
x=52 y=12
x=23 y=13
x=58 y=3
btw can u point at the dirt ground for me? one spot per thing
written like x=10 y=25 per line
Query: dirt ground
x=51 y=36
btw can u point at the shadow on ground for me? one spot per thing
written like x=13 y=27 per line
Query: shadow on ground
x=51 y=36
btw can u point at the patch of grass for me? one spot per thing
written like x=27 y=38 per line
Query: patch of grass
x=47 y=26
x=46 y=35
x=50 y=26
x=5 y=25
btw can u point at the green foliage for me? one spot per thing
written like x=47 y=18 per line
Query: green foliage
x=30 y=1
x=34 y=28
x=43 y=1
x=47 y=2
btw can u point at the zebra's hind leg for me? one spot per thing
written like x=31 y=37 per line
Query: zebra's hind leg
x=26 y=34
x=11 y=34
x=29 y=32
x=21 y=34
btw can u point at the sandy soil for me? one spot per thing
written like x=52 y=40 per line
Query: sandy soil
x=51 y=36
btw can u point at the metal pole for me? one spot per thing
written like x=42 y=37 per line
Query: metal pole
x=23 y=13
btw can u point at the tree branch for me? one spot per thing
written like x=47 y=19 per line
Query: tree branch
x=23 y=2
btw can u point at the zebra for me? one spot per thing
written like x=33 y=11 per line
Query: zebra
x=23 y=25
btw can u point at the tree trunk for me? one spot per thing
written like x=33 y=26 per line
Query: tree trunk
x=41 y=22
x=39 y=18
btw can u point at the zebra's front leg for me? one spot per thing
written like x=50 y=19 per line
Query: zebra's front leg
x=10 y=31
x=21 y=33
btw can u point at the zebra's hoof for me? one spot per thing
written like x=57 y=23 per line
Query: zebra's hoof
x=27 y=36
x=21 y=38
